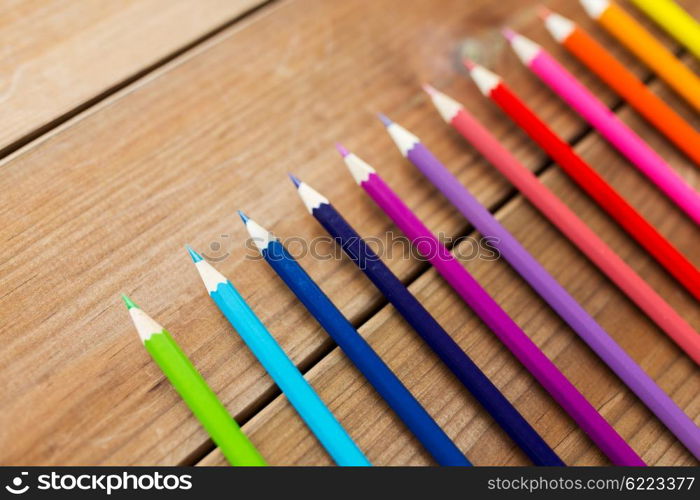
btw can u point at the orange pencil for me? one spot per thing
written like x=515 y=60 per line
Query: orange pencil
x=601 y=62
x=642 y=44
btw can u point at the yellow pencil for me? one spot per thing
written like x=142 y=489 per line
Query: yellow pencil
x=676 y=21
x=647 y=48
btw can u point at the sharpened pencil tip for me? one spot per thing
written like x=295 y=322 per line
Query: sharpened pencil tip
x=243 y=217
x=384 y=119
x=193 y=253
x=469 y=64
x=429 y=89
x=508 y=34
x=341 y=149
x=295 y=180
x=130 y=304
x=543 y=12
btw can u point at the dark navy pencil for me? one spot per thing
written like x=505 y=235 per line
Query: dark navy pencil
x=428 y=328
x=356 y=348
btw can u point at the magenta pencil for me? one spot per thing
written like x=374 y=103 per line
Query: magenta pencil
x=546 y=373
x=614 y=130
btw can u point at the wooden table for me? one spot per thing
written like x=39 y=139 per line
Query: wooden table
x=132 y=128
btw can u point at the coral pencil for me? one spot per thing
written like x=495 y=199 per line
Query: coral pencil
x=544 y=371
x=355 y=347
x=298 y=391
x=614 y=130
x=625 y=83
x=608 y=350
x=588 y=179
x=427 y=327
x=648 y=49
x=192 y=388
x=676 y=21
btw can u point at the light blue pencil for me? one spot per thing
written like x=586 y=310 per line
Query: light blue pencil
x=300 y=394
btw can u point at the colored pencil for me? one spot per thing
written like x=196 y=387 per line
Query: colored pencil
x=192 y=388
x=614 y=130
x=291 y=382
x=570 y=224
x=676 y=21
x=427 y=327
x=355 y=347
x=532 y=358
x=588 y=179
x=598 y=340
x=646 y=48
x=611 y=71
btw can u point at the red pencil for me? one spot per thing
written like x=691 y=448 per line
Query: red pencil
x=588 y=179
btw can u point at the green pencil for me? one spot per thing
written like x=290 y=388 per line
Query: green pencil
x=199 y=397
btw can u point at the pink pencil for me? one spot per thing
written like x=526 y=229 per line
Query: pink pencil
x=628 y=143
x=570 y=224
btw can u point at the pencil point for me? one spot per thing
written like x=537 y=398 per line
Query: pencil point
x=469 y=63
x=543 y=12
x=295 y=180
x=595 y=8
x=130 y=304
x=195 y=256
x=384 y=119
x=243 y=217
x=341 y=149
x=508 y=34
x=429 y=89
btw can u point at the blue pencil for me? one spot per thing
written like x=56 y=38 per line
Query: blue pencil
x=300 y=394
x=356 y=348
x=428 y=328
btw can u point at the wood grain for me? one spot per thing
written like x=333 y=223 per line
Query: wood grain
x=104 y=204
x=58 y=54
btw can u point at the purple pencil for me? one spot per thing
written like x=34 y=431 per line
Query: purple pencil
x=563 y=391
x=548 y=288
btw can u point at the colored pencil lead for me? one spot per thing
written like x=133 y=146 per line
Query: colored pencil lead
x=384 y=119
x=195 y=256
x=129 y=303
x=294 y=180
x=341 y=149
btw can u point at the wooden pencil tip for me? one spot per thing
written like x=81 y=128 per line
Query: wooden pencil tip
x=295 y=180
x=470 y=65
x=508 y=34
x=384 y=119
x=130 y=304
x=243 y=217
x=429 y=89
x=341 y=149
x=195 y=256
x=543 y=12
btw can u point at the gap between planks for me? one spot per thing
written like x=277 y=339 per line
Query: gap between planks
x=42 y=130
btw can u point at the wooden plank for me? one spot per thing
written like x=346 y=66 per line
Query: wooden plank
x=284 y=440
x=104 y=205
x=58 y=54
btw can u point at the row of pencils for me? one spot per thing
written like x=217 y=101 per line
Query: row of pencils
x=332 y=436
